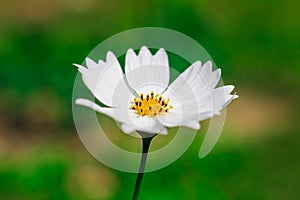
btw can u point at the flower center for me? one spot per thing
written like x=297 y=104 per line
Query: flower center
x=151 y=105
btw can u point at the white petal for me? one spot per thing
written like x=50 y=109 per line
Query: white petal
x=103 y=78
x=147 y=71
x=111 y=112
x=207 y=67
x=170 y=119
x=212 y=77
x=128 y=128
x=195 y=93
x=91 y=64
x=188 y=85
x=131 y=61
x=145 y=56
x=179 y=115
x=164 y=131
x=192 y=124
x=201 y=78
x=182 y=97
x=160 y=58
x=175 y=120
x=221 y=97
x=148 y=125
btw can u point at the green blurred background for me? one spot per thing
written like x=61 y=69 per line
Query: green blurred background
x=257 y=45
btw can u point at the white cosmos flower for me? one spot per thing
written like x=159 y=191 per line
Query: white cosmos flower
x=142 y=99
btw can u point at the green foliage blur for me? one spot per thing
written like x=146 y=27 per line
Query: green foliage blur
x=257 y=45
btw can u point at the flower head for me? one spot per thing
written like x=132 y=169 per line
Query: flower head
x=143 y=100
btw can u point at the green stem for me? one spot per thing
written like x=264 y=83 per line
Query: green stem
x=146 y=144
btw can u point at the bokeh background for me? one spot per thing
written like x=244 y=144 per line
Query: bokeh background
x=257 y=45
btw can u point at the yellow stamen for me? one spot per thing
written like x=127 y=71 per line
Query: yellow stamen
x=150 y=105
